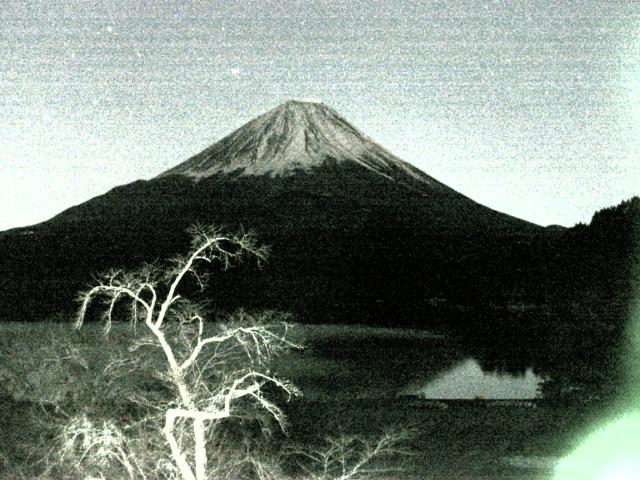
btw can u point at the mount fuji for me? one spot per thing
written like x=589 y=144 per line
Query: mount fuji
x=297 y=136
x=356 y=234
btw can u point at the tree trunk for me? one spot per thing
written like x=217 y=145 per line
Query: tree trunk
x=176 y=453
x=200 y=449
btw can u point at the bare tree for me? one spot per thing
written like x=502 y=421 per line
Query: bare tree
x=211 y=368
x=352 y=457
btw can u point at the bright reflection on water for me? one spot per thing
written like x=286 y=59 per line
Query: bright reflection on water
x=467 y=380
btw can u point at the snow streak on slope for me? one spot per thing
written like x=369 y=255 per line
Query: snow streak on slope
x=296 y=136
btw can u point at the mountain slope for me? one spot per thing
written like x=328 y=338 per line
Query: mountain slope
x=303 y=148
x=292 y=137
x=356 y=233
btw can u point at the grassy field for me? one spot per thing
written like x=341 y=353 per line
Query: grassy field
x=344 y=377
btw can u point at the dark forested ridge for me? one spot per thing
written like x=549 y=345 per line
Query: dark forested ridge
x=348 y=251
x=336 y=245
x=598 y=264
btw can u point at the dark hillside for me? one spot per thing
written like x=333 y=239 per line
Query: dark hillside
x=346 y=245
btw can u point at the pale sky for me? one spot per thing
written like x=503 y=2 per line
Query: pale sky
x=531 y=108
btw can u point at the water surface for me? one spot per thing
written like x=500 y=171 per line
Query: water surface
x=355 y=362
x=467 y=380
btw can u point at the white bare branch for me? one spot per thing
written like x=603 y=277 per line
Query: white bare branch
x=206 y=391
x=351 y=457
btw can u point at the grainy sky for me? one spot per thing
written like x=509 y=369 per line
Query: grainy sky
x=531 y=108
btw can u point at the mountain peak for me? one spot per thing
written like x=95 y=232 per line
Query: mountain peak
x=295 y=136
x=293 y=103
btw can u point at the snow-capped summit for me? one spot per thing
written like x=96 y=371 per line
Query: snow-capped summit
x=296 y=136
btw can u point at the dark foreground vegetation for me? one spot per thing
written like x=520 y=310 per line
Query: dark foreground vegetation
x=50 y=385
x=175 y=396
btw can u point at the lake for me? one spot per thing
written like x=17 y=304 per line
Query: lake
x=467 y=380
x=343 y=362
